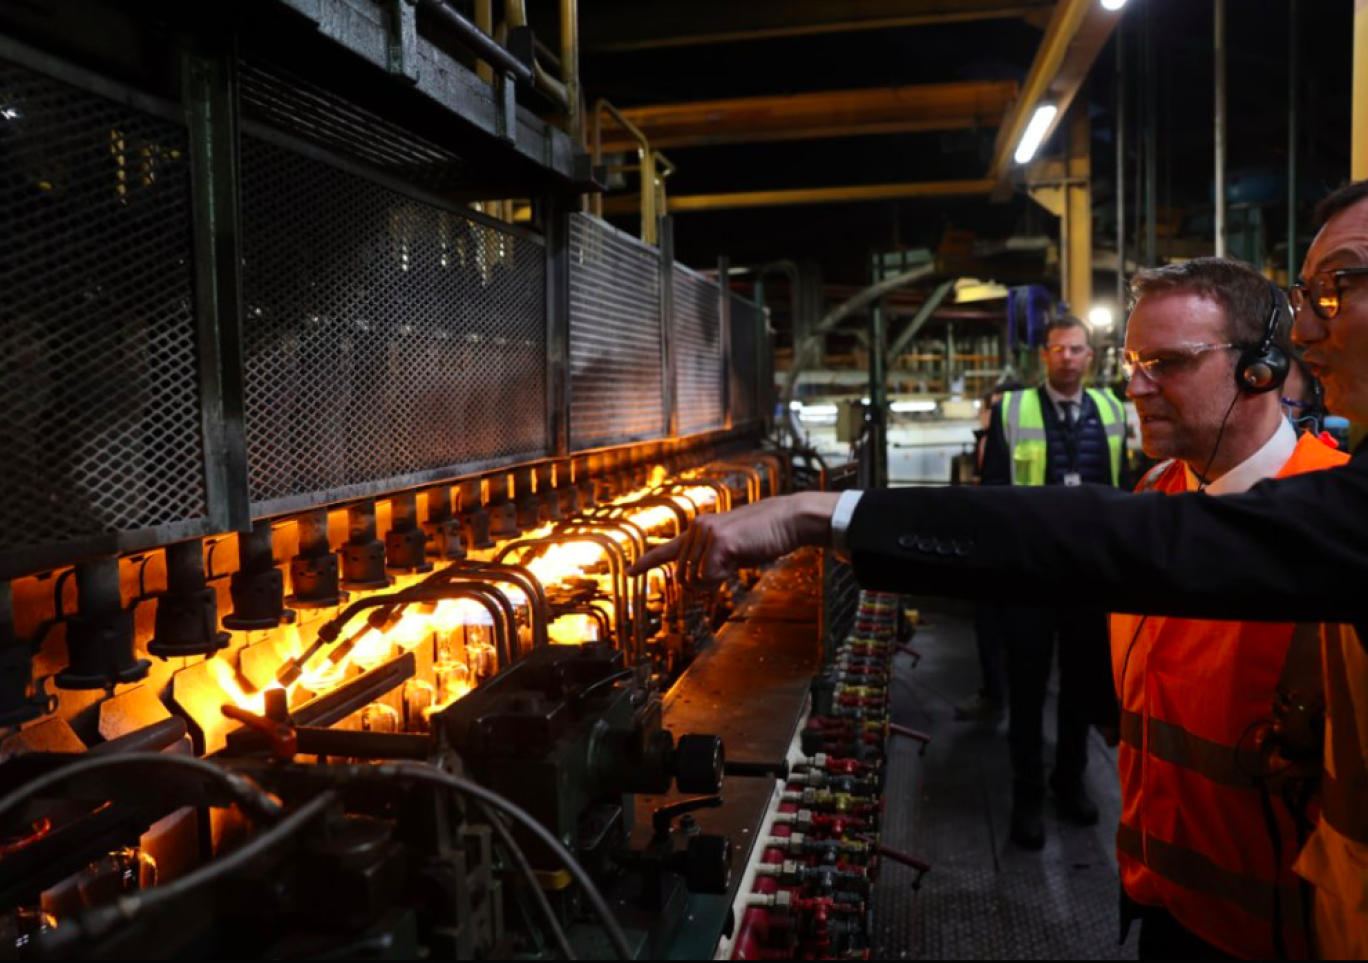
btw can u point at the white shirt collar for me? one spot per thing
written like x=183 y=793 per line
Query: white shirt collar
x=1056 y=397
x=1264 y=463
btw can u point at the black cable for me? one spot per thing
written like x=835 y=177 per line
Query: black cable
x=524 y=867
x=96 y=923
x=241 y=789
x=519 y=815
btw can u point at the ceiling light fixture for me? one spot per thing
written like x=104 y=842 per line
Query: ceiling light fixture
x=1035 y=132
x=1113 y=4
x=1101 y=316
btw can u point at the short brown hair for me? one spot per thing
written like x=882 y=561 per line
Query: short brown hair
x=1066 y=321
x=1340 y=199
x=1245 y=295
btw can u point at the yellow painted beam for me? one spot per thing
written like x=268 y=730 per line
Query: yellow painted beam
x=811 y=195
x=656 y=26
x=1075 y=35
x=1358 y=158
x=839 y=113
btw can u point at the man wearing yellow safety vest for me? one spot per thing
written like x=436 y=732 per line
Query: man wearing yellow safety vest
x=1058 y=434
x=1209 y=826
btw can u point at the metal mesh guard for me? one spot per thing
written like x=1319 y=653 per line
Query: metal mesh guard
x=385 y=338
x=698 y=352
x=745 y=374
x=99 y=379
x=616 y=382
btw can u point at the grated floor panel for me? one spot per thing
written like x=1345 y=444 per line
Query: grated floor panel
x=985 y=898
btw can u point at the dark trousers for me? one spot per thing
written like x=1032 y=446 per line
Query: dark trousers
x=1164 y=938
x=1086 y=692
x=988 y=636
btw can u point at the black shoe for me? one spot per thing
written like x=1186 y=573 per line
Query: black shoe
x=1073 y=802
x=1028 y=821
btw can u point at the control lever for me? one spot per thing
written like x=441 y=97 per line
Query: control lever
x=662 y=817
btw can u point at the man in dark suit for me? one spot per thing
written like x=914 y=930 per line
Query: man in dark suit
x=1294 y=549
x=1060 y=433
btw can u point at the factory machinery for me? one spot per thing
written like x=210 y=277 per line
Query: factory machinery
x=321 y=488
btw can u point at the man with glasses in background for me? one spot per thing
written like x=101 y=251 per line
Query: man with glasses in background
x=1192 y=690
x=1058 y=434
x=1290 y=549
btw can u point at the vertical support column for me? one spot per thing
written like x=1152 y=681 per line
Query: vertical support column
x=1151 y=80
x=1358 y=154
x=1293 y=123
x=1219 y=61
x=878 y=387
x=1120 y=127
x=667 y=345
x=1078 y=213
x=209 y=94
x=557 y=216
x=724 y=316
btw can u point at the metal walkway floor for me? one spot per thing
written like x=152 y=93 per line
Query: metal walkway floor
x=985 y=898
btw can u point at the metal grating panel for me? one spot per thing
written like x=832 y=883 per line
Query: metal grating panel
x=305 y=110
x=698 y=352
x=745 y=359
x=616 y=367
x=99 y=373
x=387 y=341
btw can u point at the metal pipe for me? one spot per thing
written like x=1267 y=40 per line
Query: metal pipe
x=480 y=43
x=649 y=160
x=313 y=533
x=516 y=12
x=570 y=67
x=1293 y=84
x=484 y=19
x=1219 y=60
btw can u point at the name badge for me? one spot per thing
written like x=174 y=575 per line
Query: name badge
x=1072 y=479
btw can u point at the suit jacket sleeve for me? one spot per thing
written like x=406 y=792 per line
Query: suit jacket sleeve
x=1295 y=549
x=997 y=468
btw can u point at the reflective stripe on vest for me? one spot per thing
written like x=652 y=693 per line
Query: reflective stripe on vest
x=1193 y=871
x=1023 y=427
x=1344 y=785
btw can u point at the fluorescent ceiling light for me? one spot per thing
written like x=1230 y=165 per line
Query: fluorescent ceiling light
x=819 y=411
x=1101 y=316
x=1035 y=132
x=913 y=407
x=1113 y=4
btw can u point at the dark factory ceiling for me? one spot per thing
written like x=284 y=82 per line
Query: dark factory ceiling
x=796 y=94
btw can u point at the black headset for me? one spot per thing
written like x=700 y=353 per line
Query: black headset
x=1263 y=366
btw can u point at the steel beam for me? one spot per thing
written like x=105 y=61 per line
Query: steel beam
x=812 y=195
x=654 y=26
x=838 y=113
x=1074 y=37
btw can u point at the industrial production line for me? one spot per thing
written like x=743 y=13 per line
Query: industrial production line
x=317 y=636
x=532 y=667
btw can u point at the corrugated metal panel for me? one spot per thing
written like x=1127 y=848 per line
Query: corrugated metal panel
x=745 y=358
x=698 y=352
x=616 y=369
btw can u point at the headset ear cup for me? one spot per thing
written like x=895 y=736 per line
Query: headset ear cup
x=1260 y=372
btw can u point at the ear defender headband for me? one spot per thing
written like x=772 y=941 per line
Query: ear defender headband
x=1263 y=366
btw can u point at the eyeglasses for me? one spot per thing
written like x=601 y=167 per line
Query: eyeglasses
x=1073 y=350
x=1167 y=362
x=1322 y=292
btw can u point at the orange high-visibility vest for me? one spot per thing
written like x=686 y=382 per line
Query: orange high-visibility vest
x=1193 y=838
